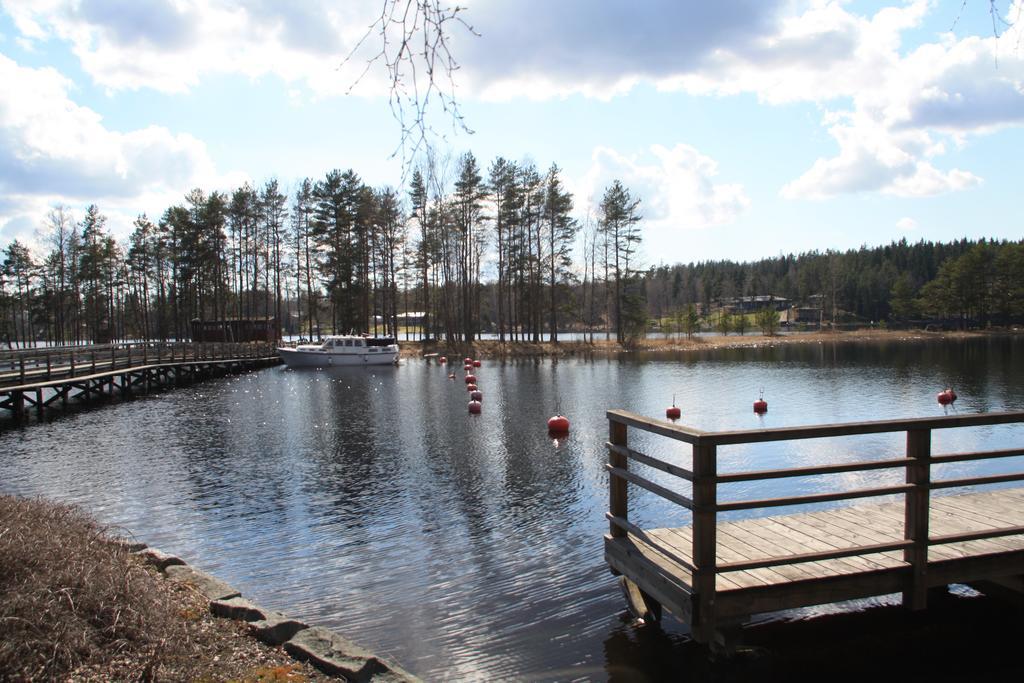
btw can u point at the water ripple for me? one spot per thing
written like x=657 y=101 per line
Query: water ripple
x=466 y=547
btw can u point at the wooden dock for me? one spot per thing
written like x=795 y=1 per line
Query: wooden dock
x=46 y=379
x=715 y=574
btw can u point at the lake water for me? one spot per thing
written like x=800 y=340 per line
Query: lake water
x=470 y=547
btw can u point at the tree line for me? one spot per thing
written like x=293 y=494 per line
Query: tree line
x=462 y=251
x=468 y=251
x=966 y=283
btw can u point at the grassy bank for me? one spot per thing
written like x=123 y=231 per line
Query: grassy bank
x=75 y=605
x=602 y=347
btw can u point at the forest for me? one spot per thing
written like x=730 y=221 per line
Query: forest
x=461 y=252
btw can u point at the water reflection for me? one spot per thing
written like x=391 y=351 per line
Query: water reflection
x=470 y=546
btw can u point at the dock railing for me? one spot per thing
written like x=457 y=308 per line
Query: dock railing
x=917 y=462
x=22 y=366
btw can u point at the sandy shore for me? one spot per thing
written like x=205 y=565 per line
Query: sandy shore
x=601 y=347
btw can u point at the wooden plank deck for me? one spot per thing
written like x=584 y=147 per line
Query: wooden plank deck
x=738 y=594
x=52 y=387
x=714 y=574
x=26 y=369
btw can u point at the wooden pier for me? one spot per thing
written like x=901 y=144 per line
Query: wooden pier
x=47 y=379
x=715 y=574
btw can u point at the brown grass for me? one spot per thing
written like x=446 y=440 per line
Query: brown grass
x=456 y=351
x=75 y=605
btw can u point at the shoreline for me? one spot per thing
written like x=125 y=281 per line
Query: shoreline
x=610 y=348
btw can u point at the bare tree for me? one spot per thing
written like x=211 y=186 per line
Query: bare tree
x=415 y=51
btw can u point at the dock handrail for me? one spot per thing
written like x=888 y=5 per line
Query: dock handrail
x=917 y=462
x=24 y=366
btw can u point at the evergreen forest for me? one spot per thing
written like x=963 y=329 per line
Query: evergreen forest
x=463 y=251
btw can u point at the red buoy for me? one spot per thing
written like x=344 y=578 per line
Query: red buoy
x=467 y=367
x=471 y=387
x=476 y=395
x=946 y=397
x=761 y=405
x=470 y=379
x=476 y=364
x=442 y=359
x=559 y=424
x=467 y=361
x=673 y=412
x=474 y=407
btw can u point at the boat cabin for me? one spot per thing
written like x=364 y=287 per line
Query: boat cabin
x=371 y=344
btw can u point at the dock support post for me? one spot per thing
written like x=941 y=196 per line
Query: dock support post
x=915 y=528
x=704 y=541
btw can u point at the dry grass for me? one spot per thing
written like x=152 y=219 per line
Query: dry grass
x=74 y=605
x=601 y=348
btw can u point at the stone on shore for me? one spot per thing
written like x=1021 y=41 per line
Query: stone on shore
x=276 y=628
x=211 y=587
x=237 y=609
x=159 y=559
x=338 y=656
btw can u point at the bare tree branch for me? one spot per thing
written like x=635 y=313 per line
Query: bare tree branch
x=415 y=52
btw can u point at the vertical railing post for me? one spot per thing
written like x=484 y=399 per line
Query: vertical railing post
x=618 y=502
x=49 y=367
x=705 y=540
x=915 y=528
x=21 y=373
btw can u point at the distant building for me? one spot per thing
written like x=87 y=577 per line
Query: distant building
x=800 y=314
x=750 y=304
x=411 y=318
x=236 y=330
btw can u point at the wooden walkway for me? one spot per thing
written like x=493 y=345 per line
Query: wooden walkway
x=44 y=380
x=714 y=575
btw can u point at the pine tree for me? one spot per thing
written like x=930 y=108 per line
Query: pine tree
x=561 y=228
x=619 y=222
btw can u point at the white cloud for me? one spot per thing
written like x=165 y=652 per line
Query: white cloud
x=892 y=111
x=53 y=150
x=874 y=158
x=540 y=49
x=676 y=187
x=169 y=45
x=906 y=224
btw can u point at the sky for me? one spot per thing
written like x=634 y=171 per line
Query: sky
x=747 y=128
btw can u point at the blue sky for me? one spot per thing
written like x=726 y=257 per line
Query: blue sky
x=748 y=128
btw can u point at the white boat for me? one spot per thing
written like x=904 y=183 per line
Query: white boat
x=342 y=349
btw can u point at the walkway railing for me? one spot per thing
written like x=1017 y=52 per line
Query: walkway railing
x=703 y=501
x=19 y=367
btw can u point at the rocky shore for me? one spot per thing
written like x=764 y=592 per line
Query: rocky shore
x=78 y=603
